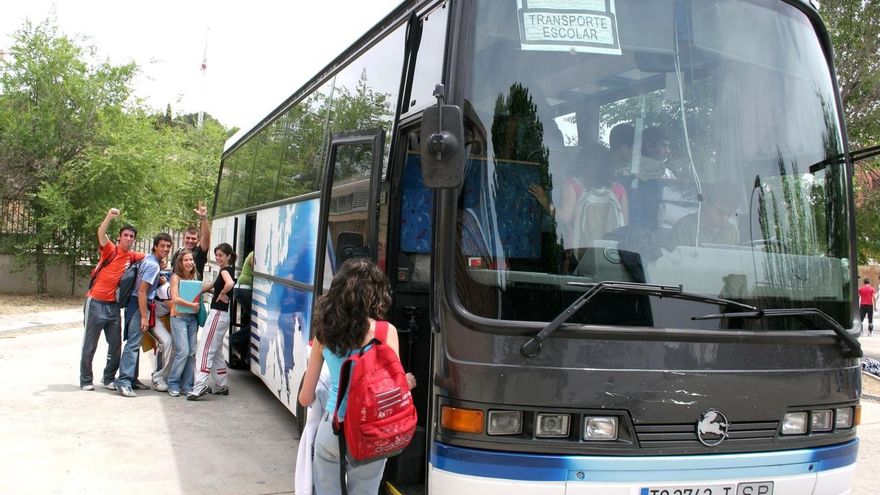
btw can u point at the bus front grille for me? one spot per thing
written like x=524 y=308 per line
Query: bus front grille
x=685 y=435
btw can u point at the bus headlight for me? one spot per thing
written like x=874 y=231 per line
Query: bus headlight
x=794 y=423
x=505 y=423
x=821 y=420
x=552 y=425
x=843 y=417
x=600 y=428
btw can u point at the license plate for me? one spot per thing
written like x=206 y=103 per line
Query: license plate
x=752 y=488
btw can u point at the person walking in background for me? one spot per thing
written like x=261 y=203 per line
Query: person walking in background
x=209 y=362
x=345 y=321
x=137 y=312
x=101 y=309
x=184 y=327
x=197 y=241
x=867 y=299
x=242 y=293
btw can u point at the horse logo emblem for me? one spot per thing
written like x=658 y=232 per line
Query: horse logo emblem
x=712 y=428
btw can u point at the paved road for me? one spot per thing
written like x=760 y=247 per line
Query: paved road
x=58 y=439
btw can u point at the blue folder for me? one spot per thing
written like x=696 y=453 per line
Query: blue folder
x=188 y=290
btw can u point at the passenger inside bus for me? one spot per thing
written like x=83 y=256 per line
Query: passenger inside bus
x=720 y=202
x=590 y=209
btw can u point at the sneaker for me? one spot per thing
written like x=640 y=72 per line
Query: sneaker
x=126 y=391
x=87 y=387
x=160 y=385
x=174 y=393
x=220 y=391
x=139 y=386
x=196 y=396
x=110 y=385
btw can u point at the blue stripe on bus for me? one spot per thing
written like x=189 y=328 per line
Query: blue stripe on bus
x=542 y=467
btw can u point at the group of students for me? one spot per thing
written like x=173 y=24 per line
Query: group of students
x=185 y=362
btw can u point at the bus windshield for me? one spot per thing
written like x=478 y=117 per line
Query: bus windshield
x=670 y=142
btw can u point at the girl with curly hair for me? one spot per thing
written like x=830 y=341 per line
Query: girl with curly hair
x=345 y=320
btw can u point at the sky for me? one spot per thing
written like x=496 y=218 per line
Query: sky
x=258 y=52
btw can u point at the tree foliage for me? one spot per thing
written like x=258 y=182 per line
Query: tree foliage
x=854 y=26
x=73 y=145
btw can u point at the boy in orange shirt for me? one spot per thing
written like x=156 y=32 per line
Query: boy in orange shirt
x=102 y=311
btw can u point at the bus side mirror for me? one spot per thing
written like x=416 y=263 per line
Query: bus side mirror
x=442 y=141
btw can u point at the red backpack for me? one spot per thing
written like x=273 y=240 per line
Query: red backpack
x=380 y=418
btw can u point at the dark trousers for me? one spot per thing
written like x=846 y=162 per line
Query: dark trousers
x=240 y=340
x=867 y=310
x=100 y=317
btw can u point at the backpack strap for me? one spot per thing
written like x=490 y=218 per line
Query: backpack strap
x=338 y=427
x=381 y=331
x=102 y=264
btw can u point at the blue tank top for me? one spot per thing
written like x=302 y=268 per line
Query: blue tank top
x=334 y=364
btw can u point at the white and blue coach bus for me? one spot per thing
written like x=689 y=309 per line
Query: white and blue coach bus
x=620 y=235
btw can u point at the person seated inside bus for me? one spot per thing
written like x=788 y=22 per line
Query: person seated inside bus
x=620 y=140
x=653 y=171
x=590 y=209
x=720 y=201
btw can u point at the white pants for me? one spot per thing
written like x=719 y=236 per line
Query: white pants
x=209 y=360
x=162 y=336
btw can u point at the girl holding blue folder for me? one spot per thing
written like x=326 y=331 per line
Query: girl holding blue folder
x=186 y=291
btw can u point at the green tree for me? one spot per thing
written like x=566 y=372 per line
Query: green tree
x=73 y=145
x=53 y=105
x=854 y=26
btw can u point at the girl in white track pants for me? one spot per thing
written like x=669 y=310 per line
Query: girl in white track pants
x=209 y=360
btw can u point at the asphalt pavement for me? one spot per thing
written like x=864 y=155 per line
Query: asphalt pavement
x=58 y=439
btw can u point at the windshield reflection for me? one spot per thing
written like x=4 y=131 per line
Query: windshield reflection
x=682 y=158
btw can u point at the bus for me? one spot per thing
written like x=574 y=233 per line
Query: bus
x=620 y=235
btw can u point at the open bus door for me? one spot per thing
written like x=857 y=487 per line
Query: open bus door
x=348 y=225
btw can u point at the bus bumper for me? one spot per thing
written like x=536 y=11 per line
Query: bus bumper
x=821 y=471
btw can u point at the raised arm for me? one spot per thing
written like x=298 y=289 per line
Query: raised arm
x=102 y=229
x=205 y=225
x=393 y=341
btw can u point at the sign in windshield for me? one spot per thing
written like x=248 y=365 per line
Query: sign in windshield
x=587 y=26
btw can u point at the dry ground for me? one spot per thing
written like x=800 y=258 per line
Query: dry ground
x=17 y=304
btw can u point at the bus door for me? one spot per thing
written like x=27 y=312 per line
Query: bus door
x=349 y=201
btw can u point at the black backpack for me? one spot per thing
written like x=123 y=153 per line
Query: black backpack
x=127 y=283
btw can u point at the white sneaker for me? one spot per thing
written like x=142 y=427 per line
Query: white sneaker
x=160 y=385
x=127 y=391
x=110 y=385
x=88 y=387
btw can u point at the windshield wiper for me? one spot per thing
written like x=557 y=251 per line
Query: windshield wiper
x=533 y=346
x=851 y=345
x=856 y=156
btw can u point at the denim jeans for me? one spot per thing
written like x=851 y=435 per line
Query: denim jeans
x=128 y=364
x=363 y=478
x=183 y=331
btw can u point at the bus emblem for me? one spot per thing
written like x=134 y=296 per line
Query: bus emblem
x=712 y=428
